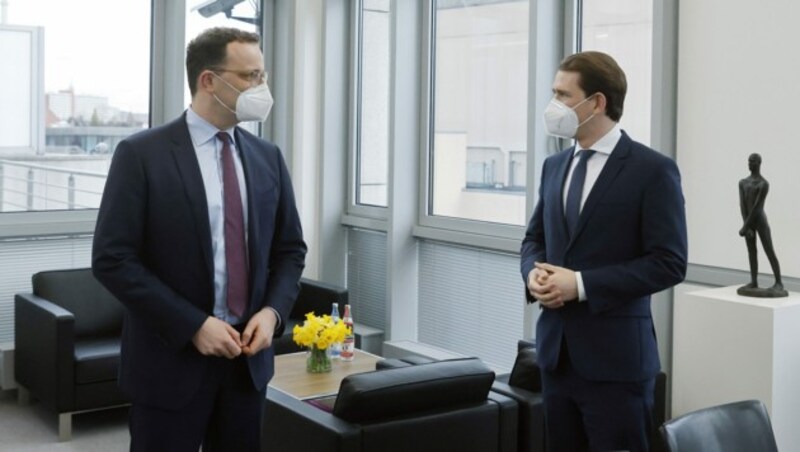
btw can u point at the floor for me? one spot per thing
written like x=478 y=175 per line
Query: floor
x=34 y=428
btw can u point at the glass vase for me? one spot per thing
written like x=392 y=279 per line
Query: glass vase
x=317 y=361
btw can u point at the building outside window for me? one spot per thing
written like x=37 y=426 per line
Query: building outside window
x=75 y=81
x=479 y=110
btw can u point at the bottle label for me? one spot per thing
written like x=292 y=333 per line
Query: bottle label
x=348 y=348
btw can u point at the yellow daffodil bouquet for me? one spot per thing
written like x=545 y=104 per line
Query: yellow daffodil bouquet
x=317 y=334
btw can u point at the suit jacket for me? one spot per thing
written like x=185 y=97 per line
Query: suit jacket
x=152 y=249
x=630 y=242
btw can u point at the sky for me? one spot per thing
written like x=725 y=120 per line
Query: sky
x=102 y=47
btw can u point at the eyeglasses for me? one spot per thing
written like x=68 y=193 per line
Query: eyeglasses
x=255 y=76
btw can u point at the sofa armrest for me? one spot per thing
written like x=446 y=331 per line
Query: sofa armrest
x=531 y=415
x=44 y=350
x=292 y=424
x=509 y=421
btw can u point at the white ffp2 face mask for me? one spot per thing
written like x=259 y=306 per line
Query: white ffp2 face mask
x=562 y=121
x=253 y=104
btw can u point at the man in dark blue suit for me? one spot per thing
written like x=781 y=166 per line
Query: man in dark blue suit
x=199 y=237
x=608 y=231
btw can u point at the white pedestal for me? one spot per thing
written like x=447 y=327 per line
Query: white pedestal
x=728 y=348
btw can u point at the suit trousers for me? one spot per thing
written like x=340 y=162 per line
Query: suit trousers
x=224 y=415
x=585 y=415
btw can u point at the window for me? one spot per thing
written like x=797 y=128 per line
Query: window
x=624 y=30
x=72 y=87
x=479 y=110
x=372 y=135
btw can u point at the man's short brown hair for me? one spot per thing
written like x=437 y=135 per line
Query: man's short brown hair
x=599 y=73
x=209 y=50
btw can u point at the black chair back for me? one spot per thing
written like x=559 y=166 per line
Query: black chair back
x=97 y=312
x=733 y=427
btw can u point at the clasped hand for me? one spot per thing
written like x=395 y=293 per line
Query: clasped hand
x=552 y=285
x=217 y=338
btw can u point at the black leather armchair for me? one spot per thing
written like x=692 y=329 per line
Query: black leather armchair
x=524 y=385
x=444 y=405
x=315 y=296
x=67 y=344
x=733 y=427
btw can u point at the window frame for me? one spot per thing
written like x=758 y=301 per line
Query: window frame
x=37 y=115
x=167 y=79
x=550 y=18
x=76 y=222
x=359 y=215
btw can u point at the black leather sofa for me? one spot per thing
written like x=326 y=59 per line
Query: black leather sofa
x=67 y=340
x=315 y=296
x=440 y=406
x=67 y=343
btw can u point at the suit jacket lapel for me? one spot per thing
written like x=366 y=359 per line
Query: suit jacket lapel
x=615 y=164
x=189 y=169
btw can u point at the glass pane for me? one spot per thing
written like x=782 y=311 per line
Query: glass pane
x=60 y=124
x=205 y=14
x=624 y=30
x=16 y=88
x=373 y=104
x=480 y=92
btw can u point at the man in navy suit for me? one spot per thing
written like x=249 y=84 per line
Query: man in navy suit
x=608 y=231
x=199 y=237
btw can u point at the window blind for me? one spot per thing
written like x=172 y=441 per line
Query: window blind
x=366 y=276
x=471 y=301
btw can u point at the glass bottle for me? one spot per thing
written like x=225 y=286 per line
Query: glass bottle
x=335 y=349
x=349 y=345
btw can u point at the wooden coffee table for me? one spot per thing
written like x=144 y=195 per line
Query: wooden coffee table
x=291 y=376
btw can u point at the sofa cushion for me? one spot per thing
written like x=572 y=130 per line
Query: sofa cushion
x=97 y=312
x=96 y=360
x=526 y=374
x=396 y=392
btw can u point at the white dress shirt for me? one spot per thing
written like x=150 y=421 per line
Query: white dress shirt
x=603 y=148
x=209 y=149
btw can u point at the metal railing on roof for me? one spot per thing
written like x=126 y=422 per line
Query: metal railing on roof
x=31 y=182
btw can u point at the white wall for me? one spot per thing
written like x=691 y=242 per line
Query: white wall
x=737 y=94
x=306 y=165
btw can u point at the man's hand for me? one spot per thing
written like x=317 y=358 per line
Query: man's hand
x=258 y=333
x=217 y=338
x=537 y=279
x=556 y=288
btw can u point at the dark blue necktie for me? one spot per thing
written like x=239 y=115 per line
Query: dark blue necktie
x=573 y=208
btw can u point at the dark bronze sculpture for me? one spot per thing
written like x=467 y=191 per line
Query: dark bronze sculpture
x=752 y=194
